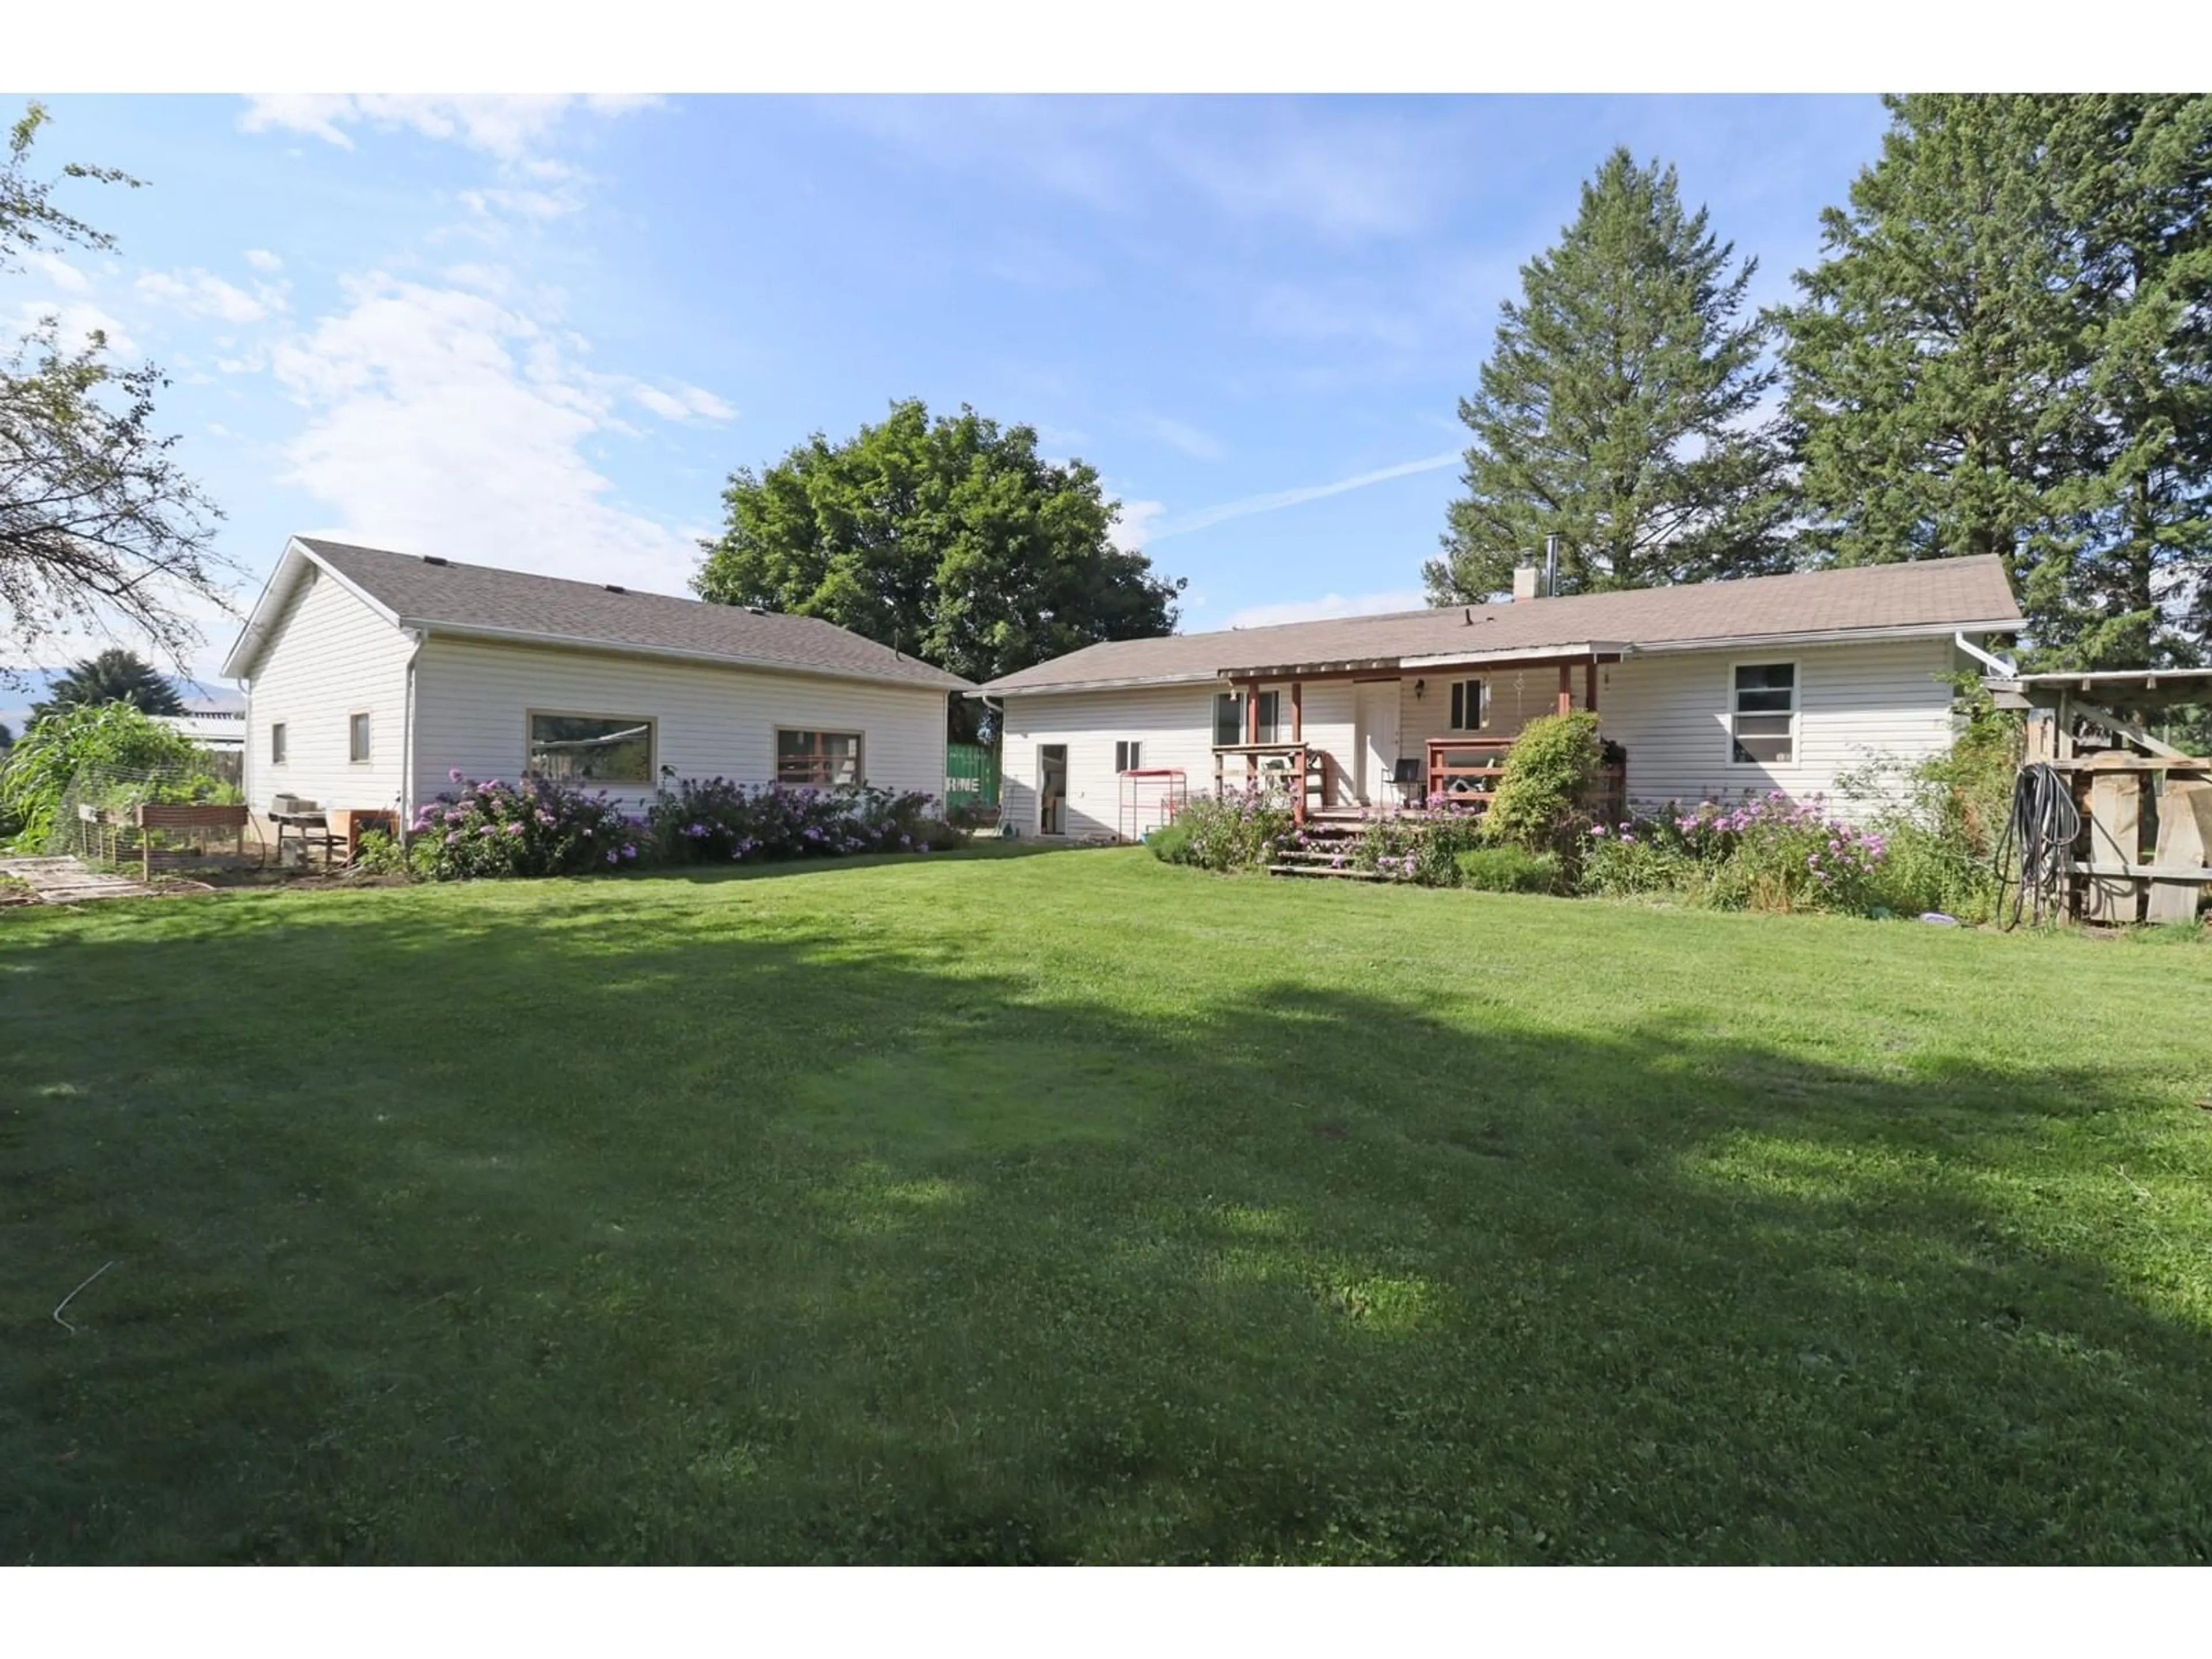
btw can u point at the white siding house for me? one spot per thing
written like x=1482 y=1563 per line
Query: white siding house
x=1790 y=682
x=371 y=676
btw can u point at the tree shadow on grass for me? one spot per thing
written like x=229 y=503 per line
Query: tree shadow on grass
x=481 y=1236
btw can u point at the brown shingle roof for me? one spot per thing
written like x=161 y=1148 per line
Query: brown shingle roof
x=1930 y=595
x=476 y=597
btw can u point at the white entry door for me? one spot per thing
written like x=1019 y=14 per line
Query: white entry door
x=1376 y=704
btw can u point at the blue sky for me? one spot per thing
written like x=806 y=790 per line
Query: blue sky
x=540 y=332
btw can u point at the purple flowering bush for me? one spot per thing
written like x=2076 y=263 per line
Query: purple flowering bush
x=1419 y=846
x=1767 y=852
x=1237 y=830
x=716 y=821
x=536 y=827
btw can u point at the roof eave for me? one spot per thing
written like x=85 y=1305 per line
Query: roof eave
x=1831 y=637
x=676 y=654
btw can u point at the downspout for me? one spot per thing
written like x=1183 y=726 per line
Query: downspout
x=1994 y=664
x=407 y=739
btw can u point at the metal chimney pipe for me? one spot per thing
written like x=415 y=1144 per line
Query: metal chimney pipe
x=1552 y=564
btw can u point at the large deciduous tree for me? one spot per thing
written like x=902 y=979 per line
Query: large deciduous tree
x=1619 y=408
x=2006 y=348
x=98 y=525
x=114 y=676
x=951 y=539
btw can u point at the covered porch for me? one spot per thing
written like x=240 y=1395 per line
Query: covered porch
x=1385 y=734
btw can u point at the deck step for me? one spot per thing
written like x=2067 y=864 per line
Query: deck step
x=1325 y=873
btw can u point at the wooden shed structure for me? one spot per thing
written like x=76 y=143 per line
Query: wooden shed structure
x=2145 y=851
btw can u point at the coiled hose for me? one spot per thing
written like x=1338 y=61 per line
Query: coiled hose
x=2039 y=834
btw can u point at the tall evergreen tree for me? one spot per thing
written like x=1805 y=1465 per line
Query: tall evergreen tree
x=1618 y=408
x=2004 y=349
x=114 y=676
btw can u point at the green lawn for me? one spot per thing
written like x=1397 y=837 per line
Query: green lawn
x=1074 y=1207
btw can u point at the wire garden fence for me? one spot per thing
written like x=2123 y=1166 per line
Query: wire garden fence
x=172 y=818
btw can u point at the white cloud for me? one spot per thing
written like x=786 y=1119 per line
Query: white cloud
x=1180 y=434
x=205 y=295
x=442 y=420
x=59 y=271
x=683 y=403
x=262 y=259
x=1134 y=525
x=1205 y=517
x=539 y=204
x=77 y=319
x=507 y=127
x=1327 y=606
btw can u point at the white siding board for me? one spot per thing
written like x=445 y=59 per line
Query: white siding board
x=1857 y=704
x=473 y=699
x=329 y=655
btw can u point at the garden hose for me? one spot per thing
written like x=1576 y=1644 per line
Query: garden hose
x=2039 y=834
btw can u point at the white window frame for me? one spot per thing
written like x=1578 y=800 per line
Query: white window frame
x=1482 y=703
x=858 y=735
x=1797 y=708
x=365 y=719
x=1129 y=755
x=611 y=785
x=280 y=742
x=1267 y=727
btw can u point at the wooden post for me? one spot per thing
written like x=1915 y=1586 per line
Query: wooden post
x=1566 y=686
x=1251 y=732
x=1297 y=712
x=2115 y=837
x=2184 y=840
x=1589 y=686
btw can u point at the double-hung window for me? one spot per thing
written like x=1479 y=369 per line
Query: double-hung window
x=357 y=734
x=1763 y=714
x=820 y=760
x=1229 y=718
x=277 y=736
x=1129 y=755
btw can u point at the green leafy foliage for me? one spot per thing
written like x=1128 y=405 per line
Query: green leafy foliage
x=1420 y=847
x=715 y=821
x=112 y=738
x=1548 y=773
x=97 y=522
x=1509 y=870
x=1237 y=830
x=951 y=539
x=1767 y=852
x=1615 y=409
x=2007 y=348
x=1172 y=843
x=538 y=827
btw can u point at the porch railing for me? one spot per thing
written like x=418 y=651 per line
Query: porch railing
x=1464 y=773
x=1301 y=770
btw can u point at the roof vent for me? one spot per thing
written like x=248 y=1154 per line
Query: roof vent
x=756 y=611
x=432 y=558
x=615 y=588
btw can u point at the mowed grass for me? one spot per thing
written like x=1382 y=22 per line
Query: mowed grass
x=1077 y=1208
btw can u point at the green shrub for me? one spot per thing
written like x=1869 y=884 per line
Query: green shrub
x=89 y=738
x=1242 y=830
x=1549 y=772
x=1170 y=843
x=539 y=827
x=1507 y=870
x=380 y=855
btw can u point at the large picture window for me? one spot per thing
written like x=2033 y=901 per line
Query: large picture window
x=1229 y=718
x=822 y=759
x=603 y=749
x=1763 y=714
